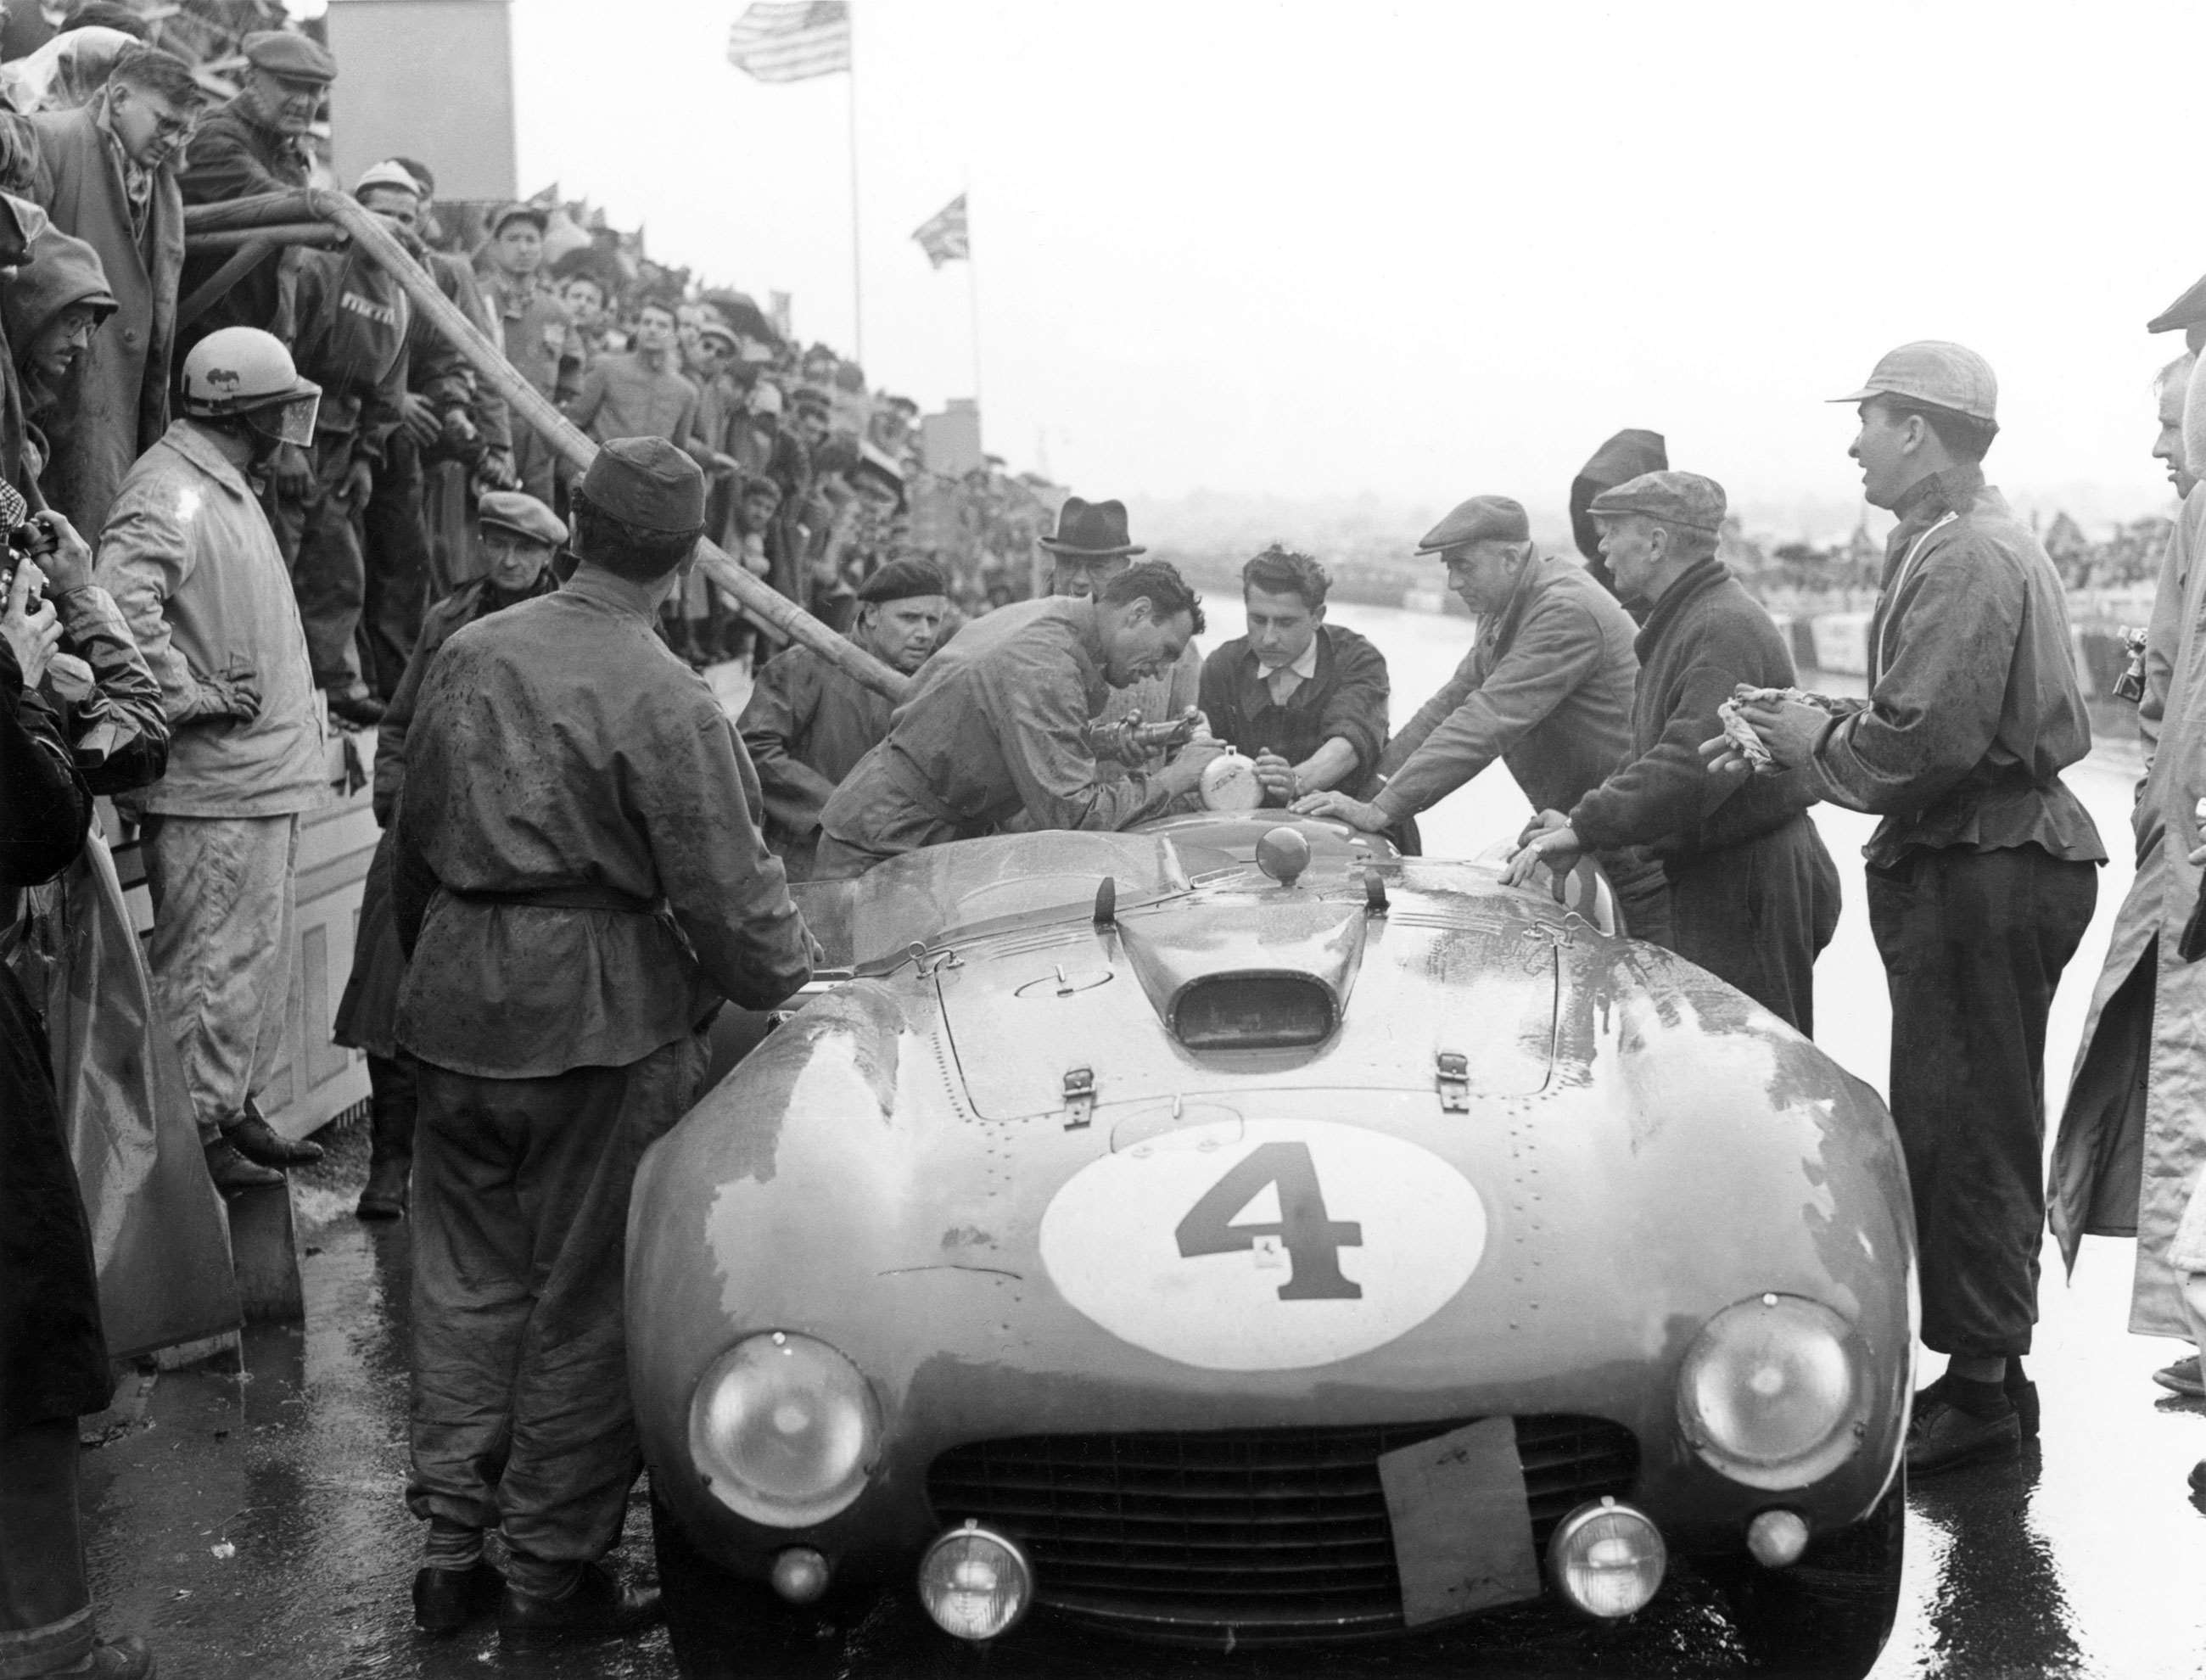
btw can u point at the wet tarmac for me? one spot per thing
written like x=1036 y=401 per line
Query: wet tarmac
x=249 y=1520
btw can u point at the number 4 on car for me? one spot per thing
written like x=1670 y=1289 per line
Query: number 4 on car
x=1229 y=1231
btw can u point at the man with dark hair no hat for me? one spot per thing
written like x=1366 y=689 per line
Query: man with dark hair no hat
x=579 y=880
x=1004 y=724
x=808 y=721
x=1304 y=699
x=1982 y=876
x=1753 y=895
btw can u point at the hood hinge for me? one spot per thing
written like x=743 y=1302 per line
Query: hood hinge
x=1079 y=1098
x=1452 y=1073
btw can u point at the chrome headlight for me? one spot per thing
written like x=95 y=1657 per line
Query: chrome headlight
x=784 y=1429
x=1773 y=1391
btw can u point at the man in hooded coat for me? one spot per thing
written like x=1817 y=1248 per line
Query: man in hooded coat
x=1622 y=458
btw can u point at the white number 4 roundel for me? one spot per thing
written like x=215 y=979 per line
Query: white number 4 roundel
x=1270 y=1246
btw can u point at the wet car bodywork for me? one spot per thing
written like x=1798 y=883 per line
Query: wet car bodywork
x=1170 y=1212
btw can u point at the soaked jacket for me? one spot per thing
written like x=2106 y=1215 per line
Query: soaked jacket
x=1343 y=698
x=190 y=561
x=1621 y=460
x=579 y=878
x=1974 y=709
x=122 y=398
x=234 y=155
x=2130 y=1149
x=1547 y=688
x=1705 y=635
x=996 y=724
x=63 y=270
x=805 y=726
x=351 y=341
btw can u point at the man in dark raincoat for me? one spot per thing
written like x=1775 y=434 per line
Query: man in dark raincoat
x=580 y=880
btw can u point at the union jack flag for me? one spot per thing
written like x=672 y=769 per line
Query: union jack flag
x=943 y=235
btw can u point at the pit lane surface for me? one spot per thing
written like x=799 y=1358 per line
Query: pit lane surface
x=250 y=1522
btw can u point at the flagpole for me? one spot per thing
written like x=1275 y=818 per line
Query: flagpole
x=973 y=306
x=857 y=267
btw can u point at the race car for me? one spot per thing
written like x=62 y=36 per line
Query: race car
x=1231 y=1231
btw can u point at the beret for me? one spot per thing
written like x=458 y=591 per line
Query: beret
x=900 y=580
x=1936 y=372
x=523 y=514
x=1683 y=499
x=285 y=52
x=648 y=483
x=1496 y=519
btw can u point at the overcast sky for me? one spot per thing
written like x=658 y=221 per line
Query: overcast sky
x=1283 y=246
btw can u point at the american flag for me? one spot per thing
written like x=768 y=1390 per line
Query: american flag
x=943 y=235
x=792 y=40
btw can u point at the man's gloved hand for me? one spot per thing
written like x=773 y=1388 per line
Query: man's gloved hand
x=231 y=696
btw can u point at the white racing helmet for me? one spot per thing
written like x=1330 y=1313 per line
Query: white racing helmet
x=241 y=371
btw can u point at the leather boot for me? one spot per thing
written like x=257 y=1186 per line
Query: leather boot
x=390 y=1139
x=232 y=1172
x=595 y=1607
x=252 y=1137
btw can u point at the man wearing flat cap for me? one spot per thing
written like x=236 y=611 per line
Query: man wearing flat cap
x=518 y=534
x=1547 y=688
x=1089 y=547
x=579 y=881
x=257 y=143
x=1754 y=896
x=537 y=334
x=1982 y=875
x=809 y=721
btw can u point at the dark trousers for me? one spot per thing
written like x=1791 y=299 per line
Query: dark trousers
x=521 y=1415
x=397 y=566
x=1973 y=945
x=46 y=1608
x=321 y=537
x=1757 y=914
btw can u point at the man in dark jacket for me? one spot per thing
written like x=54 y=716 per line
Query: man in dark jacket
x=1754 y=896
x=257 y=143
x=53 y=1354
x=1306 y=699
x=353 y=322
x=519 y=535
x=580 y=880
x=809 y=721
x=1623 y=458
x=1547 y=688
x=1982 y=876
x=106 y=173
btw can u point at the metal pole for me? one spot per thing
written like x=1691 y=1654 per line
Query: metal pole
x=973 y=307
x=758 y=602
x=857 y=266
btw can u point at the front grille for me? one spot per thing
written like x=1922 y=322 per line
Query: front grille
x=1276 y=1531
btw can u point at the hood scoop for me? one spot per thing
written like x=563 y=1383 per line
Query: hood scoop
x=1259 y=975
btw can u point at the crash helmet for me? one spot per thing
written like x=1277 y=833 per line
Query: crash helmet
x=241 y=372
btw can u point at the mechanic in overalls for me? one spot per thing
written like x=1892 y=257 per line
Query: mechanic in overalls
x=1982 y=876
x=579 y=880
x=999 y=723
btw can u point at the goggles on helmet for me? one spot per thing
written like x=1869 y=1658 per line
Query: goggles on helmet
x=291 y=421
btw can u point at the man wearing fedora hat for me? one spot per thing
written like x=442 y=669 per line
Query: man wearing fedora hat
x=1982 y=875
x=579 y=880
x=1090 y=547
